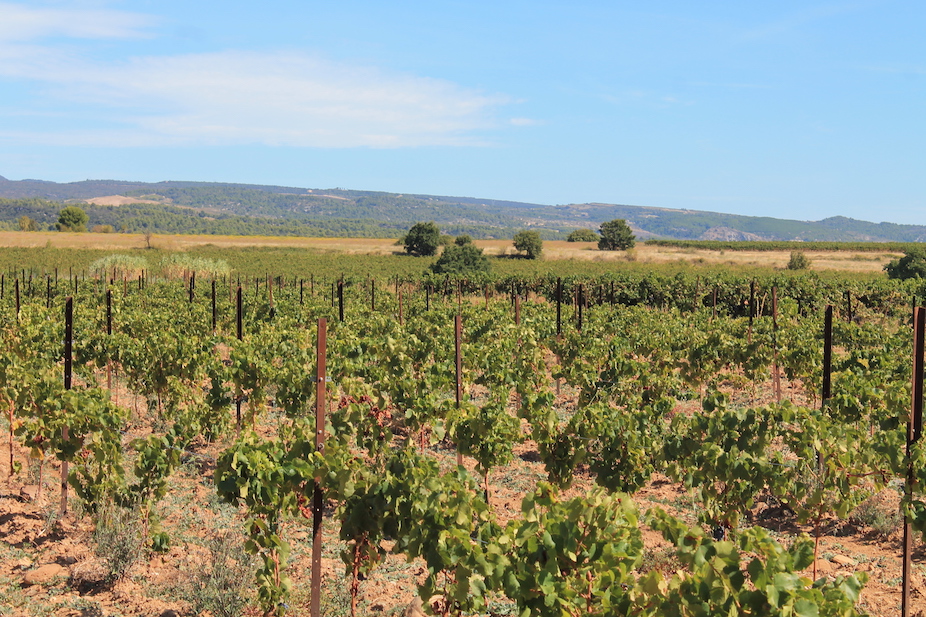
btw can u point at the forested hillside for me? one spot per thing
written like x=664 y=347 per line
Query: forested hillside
x=221 y=208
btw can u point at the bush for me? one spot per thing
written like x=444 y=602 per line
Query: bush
x=616 y=236
x=463 y=240
x=798 y=261
x=529 y=242
x=911 y=266
x=422 y=239
x=582 y=235
x=456 y=259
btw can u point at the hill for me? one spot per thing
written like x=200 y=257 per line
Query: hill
x=224 y=208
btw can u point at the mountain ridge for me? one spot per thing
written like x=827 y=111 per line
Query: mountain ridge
x=217 y=207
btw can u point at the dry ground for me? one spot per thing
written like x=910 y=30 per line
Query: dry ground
x=32 y=536
x=853 y=261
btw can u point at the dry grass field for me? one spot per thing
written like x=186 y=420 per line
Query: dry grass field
x=851 y=261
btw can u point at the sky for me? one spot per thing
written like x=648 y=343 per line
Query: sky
x=790 y=109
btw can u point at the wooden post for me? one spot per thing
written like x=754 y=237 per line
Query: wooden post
x=17 y=298
x=318 y=503
x=559 y=306
x=458 y=343
x=341 y=299
x=399 y=292
x=215 y=312
x=914 y=432
x=776 y=374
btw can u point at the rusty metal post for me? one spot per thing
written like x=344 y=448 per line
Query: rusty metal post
x=318 y=502
x=109 y=332
x=68 y=373
x=827 y=353
x=559 y=306
x=341 y=299
x=239 y=327
x=580 y=301
x=914 y=432
x=215 y=312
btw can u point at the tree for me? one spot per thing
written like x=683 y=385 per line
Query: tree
x=582 y=235
x=461 y=259
x=422 y=239
x=463 y=240
x=27 y=224
x=911 y=266
x=616 y=236
x=72 y=218
x=529 y=242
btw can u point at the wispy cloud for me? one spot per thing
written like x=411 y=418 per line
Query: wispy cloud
x=288 y=98
x=19 y=22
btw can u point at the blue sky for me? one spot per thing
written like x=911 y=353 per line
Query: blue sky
x=798 y=110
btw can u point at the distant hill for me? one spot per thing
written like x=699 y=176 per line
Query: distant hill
x=209 y=207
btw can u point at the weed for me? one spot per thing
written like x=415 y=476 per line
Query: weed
x=879 y=514
x=222 y=588
x=118 y=539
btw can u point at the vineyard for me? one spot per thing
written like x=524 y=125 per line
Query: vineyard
x=626 y=444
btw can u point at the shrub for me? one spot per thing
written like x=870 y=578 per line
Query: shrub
x=582 y=235
x=911 y=266
x=798 y=261
x=456 y=259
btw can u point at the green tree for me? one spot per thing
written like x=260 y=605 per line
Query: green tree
x=422 y=239
x=616 y=236
x=529 y=242
x=463 y=240
x=457 y=259
x=27 y=224
x=72 y=218
x=582 y=235
x=911 y=266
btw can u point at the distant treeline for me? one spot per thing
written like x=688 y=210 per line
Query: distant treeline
x=167 y=219
x=776 y=245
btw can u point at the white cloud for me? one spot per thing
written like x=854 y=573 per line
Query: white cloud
x=524 y=122
x=19 y=22
x=229 y=97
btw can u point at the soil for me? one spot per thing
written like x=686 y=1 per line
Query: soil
x=79 y=583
